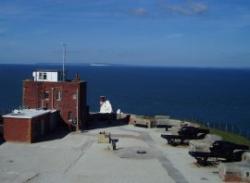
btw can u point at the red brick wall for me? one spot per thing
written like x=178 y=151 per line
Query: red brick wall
x=232 y=178
x=33 y=91
x=83 y=105
x=26 y=130
x=16 y=129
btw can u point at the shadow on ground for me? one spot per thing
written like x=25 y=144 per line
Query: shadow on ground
x=59 y=133
x=1 y=130
x=1 y=140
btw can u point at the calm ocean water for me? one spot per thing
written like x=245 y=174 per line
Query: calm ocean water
x=215 y=96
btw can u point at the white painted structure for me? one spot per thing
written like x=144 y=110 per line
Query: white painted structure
x=49 y=76
x=106 y=107
x=27 y=113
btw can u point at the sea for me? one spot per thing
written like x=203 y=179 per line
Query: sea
x=217 y=98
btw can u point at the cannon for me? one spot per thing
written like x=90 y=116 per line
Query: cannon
x=220 y=150
x=185 y=133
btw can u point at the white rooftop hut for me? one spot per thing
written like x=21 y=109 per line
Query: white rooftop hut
x=48 y=75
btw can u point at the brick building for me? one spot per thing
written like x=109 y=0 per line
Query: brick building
x=29 y=125
x=49 y=90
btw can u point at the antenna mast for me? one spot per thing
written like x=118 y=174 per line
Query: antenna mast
x=64 y=56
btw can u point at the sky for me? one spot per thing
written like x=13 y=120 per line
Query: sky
x=192 y=33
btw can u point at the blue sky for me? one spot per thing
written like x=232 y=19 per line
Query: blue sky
x=202 y=33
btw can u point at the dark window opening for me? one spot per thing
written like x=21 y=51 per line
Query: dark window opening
x=43 y=75
x=46 y=95
x=70 y=116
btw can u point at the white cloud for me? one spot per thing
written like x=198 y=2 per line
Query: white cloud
x=188 y=7
x=198 y=7
x=139 y=12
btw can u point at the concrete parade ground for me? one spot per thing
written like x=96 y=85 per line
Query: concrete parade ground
x=78 y=157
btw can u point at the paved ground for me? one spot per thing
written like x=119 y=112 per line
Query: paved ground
x=77 y=157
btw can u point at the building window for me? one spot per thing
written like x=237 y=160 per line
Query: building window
x=70 y=116
x=46 y=95
x=43 y=75
x=58 y=95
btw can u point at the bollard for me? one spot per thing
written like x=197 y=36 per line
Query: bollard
x=113 y=142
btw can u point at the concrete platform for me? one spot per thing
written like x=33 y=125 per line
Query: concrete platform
x=77 y=157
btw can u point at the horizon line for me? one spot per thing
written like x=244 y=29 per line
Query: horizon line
x=100 y=64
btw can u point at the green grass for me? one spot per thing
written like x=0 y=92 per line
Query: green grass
x=228 y=136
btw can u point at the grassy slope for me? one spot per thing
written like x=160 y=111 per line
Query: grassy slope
x=230 y=136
